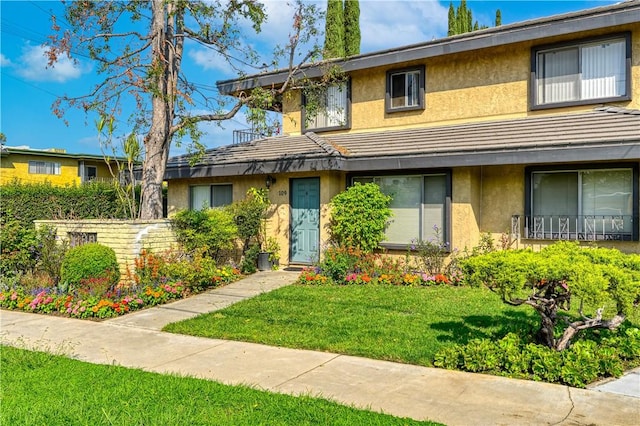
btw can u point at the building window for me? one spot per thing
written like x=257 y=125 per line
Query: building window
x=588 y=72
x=44 y=168
x=327 y=108
x=90 y=173
x=405 y=89
x=584 y=204
x=206 y=196
x=80 y=238
x=420 y=206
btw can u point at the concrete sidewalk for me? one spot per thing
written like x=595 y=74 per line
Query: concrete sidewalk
x=450 y=397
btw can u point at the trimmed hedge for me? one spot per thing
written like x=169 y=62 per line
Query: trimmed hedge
x=27 y=202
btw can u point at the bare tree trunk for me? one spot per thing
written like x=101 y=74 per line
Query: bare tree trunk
x=167 y=56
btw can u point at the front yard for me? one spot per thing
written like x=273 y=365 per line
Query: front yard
x=453 y=327
x=44 y=389
x=403 y=324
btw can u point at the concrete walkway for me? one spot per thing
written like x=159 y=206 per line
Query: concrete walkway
x=450 y=397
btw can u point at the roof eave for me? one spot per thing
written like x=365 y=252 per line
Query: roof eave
x=256 y=167
x=616 y=151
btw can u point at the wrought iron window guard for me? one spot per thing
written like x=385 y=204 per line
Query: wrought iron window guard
x=581 y=228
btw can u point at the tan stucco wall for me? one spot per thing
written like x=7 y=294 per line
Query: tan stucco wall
x=16 y=166
x=465 y=208
x=491 y=83
x=278 y=224
x=127 y=238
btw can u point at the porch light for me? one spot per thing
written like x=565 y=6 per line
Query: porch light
x=270 y=180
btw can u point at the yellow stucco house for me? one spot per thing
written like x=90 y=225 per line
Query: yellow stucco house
x=530 y=130
x=55 y=166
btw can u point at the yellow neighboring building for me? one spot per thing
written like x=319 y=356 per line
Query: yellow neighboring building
x=531 y=130
x=54 y=166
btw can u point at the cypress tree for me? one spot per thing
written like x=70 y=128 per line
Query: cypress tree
x=334 y=30
x=452 y=27
x=461 y=19
x=351 y=27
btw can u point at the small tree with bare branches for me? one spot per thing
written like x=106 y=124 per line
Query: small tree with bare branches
x=139 y=48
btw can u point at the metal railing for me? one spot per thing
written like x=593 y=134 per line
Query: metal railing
x=581 y=228
x=248 y=135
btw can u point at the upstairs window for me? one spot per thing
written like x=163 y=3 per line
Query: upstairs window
x=207 y=196
x=44 y=168
x=327 y=108
x=405 y=89
x=590 y=72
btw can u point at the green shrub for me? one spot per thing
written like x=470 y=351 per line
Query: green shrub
x=364 y=230
x=195 y=271
x=602 y=355
x=37 y=201
x=212 y=230
x=18 y=245
x=51 y=253
x=250 y=259
x=89 y=261
x=550 y=280
x=249 y=215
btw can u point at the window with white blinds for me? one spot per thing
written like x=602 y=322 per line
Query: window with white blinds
x=206 y=196
x=583 y=72
x=44 y=168
x=333 y=109
x=419 y=206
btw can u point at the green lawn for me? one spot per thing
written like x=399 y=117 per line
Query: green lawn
x=42 y=389
x=404 y=324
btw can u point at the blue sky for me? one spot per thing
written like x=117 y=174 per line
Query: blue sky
x=27 y=88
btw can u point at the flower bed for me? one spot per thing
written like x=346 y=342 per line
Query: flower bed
x=349 y=266
x=155 y=280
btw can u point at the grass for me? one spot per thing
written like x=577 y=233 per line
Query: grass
x=402 y=324
x=43 y=389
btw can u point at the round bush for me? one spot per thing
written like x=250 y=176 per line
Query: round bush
x=90 y=261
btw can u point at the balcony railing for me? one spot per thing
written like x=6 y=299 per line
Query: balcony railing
x=582 y=228
x=243 y=136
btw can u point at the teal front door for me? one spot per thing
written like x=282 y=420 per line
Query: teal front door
x=305 y=220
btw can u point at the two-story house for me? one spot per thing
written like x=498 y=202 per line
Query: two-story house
x=55 y=166
x=530 y=129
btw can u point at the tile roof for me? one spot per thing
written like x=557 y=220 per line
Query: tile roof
x=600 y=134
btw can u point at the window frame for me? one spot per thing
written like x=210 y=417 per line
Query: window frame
x=56 y=167
x=87 y=176
x=211 y=195
x=345 y=126
x=422 y=173
x=421 y=105
x=536 y=50
x=528 y=189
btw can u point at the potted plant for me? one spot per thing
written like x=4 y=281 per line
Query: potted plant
x=267 y=244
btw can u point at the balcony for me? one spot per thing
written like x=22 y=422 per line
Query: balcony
x=246 y=135
x=580 y=228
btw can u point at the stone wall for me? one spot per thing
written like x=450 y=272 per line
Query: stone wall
x=126 y=237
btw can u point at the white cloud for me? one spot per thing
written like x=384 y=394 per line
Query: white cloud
x=4 y=61
x=210 y=60
x=33 y=66
x=389 y=24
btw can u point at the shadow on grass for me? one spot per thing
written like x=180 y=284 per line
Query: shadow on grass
x=461 y=331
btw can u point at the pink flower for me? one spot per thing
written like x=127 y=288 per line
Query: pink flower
x=14 y=296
